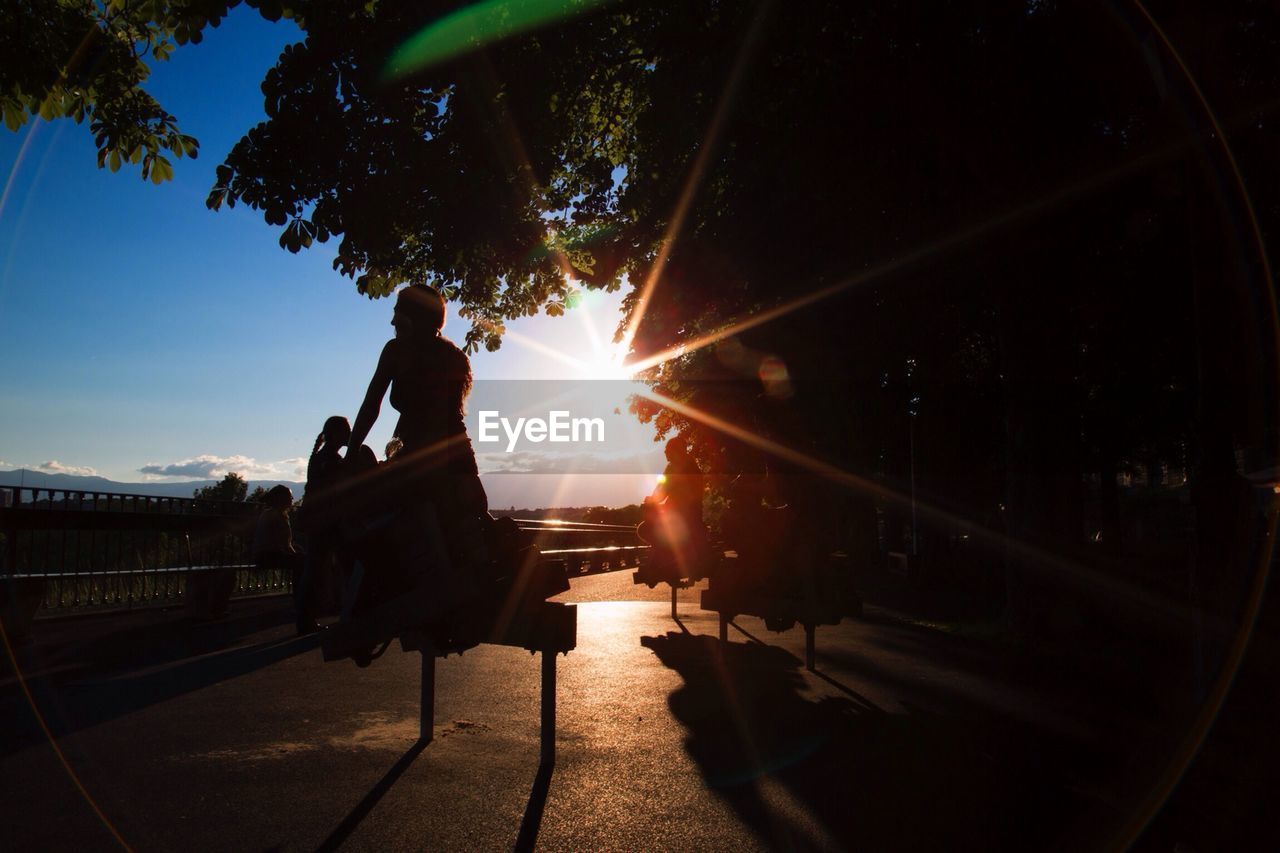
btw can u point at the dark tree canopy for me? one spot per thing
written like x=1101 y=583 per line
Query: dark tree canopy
x=835 y=137
x=492 y=174
x=232 y=487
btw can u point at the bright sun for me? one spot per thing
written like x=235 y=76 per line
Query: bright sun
x=578 y=345
x=607 y=364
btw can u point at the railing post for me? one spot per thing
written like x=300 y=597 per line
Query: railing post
x=11 y=549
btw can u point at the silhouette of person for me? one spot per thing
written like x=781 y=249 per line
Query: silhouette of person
x=321 y=567
x=674 y=512
x=273 y=547
x=781 y=523
x=324 y=466
x=752 y=523
x=429 y=378
x=348 y=525
x=431 y=486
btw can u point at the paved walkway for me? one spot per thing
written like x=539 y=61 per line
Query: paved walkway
x=235 y=736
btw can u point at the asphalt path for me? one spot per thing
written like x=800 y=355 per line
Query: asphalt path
x=160 y=734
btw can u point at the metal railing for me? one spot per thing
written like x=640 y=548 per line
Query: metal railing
x=83 y=550
x=87 y=549
x=587 y=547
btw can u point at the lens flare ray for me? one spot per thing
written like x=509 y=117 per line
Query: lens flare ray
x=942 y=246
x=693 y=180
x=476 y=26
x=538 y=347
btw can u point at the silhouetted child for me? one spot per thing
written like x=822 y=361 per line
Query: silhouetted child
x=323 y=574
x=353 y=527
x=365 y=459
x=317 y=588
x=323 y=468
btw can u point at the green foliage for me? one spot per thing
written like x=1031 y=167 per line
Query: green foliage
x=630 y=514
x=492 y=176
x=88 y=61
x=232 y=487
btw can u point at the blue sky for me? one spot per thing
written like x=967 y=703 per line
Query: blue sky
x=140 y=329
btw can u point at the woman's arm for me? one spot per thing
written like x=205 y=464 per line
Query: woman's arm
x=368 y=414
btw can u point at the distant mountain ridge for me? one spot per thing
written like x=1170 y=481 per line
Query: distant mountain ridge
x=74 y=482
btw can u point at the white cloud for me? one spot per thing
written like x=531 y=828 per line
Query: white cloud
x=53 y=466
x=210 y=467
x=295 y=468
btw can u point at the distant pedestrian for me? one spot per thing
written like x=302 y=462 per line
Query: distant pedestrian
x=273 y=549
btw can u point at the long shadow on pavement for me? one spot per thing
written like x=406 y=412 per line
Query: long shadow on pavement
x=532 y=822
x=68 y=649
x=69 y=707
x=348 y=825
x=840 y=773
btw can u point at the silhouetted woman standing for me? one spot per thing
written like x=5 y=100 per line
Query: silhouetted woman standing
x=429 y=379
x=430 y=487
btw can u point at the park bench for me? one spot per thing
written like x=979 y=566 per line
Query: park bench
x=511 y=611
x=655 y=571
x=543 y=627
x=828 y=599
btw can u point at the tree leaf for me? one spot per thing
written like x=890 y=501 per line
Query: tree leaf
x=161 y=170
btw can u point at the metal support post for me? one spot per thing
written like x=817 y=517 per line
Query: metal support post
x=548 y=756
x=427 y=713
